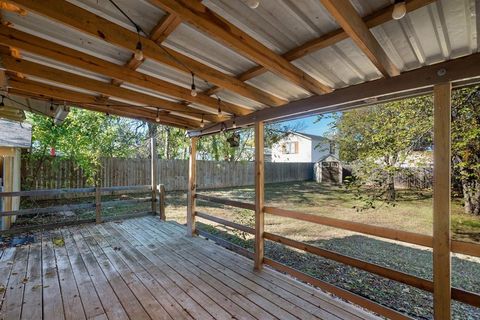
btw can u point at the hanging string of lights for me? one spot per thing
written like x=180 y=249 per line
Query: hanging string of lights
x=140 y=56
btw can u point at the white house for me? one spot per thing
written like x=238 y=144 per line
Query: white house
x=302 y=147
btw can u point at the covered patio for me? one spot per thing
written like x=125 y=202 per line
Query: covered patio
x=211 y=67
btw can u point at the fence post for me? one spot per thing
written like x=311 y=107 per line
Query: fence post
x=441 y=201
x=192 y=187
x=98 y=205
x=161 y=188
x=259 y=194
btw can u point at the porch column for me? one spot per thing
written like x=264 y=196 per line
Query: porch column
x=153 y=166
x=441 y=202
x=192 y=187
x=259 y=194
x=8 y=183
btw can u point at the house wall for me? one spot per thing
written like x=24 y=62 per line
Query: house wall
x=303 y=154
x=309 y=150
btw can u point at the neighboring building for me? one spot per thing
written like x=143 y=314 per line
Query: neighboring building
x=13 y=137
x=302 y=147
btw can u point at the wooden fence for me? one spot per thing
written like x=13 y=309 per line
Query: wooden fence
x=58 y=173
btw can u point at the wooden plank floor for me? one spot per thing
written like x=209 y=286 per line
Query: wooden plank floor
x=147 y=269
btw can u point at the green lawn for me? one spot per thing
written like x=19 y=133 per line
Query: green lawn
x=413 y=213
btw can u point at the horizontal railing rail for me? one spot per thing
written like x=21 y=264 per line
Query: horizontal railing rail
x=228 y=202
x=381 y=232
x=405 y=278
x=96 y=205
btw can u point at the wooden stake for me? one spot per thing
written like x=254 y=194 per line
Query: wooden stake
x=441 y=202
x=98 y=205
x=162 y=202
x=259 y=194
x=153 y=166
x=192 y=187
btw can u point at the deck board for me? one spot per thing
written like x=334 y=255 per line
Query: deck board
x=147 y=269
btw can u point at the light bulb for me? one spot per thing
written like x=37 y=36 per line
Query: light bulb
x=193 y=92
x=157 y=119
x=253 y=4
x=138 y=55
x=234 y=125
x=202 y=124
x=399 y=10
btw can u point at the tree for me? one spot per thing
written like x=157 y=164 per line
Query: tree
x=85 y=137
x=378 y=138
x=466 y=145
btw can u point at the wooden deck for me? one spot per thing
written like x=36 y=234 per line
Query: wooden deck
x=147 y=269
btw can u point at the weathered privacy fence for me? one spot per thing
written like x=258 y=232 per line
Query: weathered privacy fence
x=55 y=173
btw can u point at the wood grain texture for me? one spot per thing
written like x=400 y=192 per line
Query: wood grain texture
x=441 y=201
x=259 y=194
x=192 y=187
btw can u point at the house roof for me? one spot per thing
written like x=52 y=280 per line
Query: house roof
x=15 y=134
x=276 y=54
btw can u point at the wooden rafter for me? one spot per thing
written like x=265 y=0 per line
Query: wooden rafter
x=223 y=31
x=415 y=82
x=89 y=23
x=373 y=20
x=37 y=90
x=51 y=50
x=158 y=34
x=74 y=80
x=348 y=18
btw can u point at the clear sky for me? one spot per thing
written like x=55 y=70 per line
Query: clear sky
x=308 y=125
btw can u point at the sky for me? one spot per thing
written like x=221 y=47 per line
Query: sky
x=308 y=125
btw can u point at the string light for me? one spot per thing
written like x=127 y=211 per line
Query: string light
x=253 y=4
x=399 y=9
x=219 y=108
x=2 y=104
x=138 y=55
x=52 y=109
x=202 y=123
x=194 y=89
x=158 y=115
x=234 y=124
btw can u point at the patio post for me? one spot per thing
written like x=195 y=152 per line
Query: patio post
x=192 y=187
x=153 y=166
x=259 y=194
x=441 y=201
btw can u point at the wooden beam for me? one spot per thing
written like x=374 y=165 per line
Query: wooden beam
x=348 y=18
x=223 y=31
x=75 y=80
x=373 y=20
x=89 y=23
x=259 y=194
x=8 y=186
x=441 y=201
x=153 y=166
x=51 y=50
x=159 y=33
x=415 y=82
x=47 y=92
x=192 y=187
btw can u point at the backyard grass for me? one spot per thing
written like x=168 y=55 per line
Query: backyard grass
x=413 y=213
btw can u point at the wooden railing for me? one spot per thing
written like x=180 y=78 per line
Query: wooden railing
x=386 y=233
x=157 y=199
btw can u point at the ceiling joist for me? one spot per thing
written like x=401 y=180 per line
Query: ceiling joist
x=89 y=23
x=199 y=16
x=347 y=17
x=74 y=80
x=51 y=50
x=37 y=90
x=329 y=39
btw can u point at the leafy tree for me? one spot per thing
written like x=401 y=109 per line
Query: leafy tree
x=466 y=145
x=86 y=137
x=377 y=139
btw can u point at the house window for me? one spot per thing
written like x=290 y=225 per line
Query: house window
x=332 y=147
x=290 y=147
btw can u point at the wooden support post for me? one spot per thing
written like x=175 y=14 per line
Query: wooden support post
x=98 y=205
x=161 y=188
x=153 y=165
x=259 y=194
x=441 y=202
x=192 y=187
x=8 y=183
